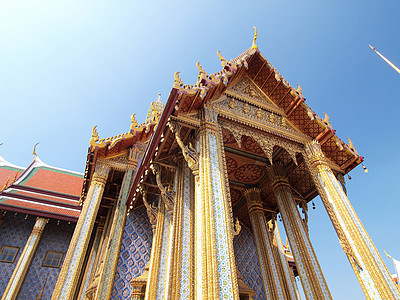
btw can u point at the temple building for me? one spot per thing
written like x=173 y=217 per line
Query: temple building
x=185 y=205
x=39 y=207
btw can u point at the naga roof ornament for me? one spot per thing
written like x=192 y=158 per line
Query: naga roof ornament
x=254 y=46
x=153 y=116
x=34 y=150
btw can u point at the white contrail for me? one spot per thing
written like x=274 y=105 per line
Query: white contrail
x=385 y=59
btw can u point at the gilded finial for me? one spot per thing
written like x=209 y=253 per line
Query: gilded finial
x=299 y=91
x=177 y=80
x=224 y=62
x=351 y=145
x=327 y=122
x=34 y=150
x=255 y=38
x=95 y=137
x=134 y=123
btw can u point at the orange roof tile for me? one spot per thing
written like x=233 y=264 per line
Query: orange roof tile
x=42 y=190
x=51 y=180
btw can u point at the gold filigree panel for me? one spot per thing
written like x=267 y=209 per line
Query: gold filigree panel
x=265 y=141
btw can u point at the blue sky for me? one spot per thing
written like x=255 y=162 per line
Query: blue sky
x=66 y=66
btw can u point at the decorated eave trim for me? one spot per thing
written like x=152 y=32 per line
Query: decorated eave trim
x=205 y=82
x=110 y=142
x=324 y=123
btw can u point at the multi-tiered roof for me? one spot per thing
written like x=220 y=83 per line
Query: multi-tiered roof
x=40 y=190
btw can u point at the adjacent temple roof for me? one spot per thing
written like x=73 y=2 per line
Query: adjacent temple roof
x=9 y=173
x=40 y=190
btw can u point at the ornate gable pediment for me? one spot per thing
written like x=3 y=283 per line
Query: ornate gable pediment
x=247 y=90
x=246 y=103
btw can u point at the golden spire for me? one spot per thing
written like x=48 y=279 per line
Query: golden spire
x=255 y=37
x=34 y=150
x=385 y=59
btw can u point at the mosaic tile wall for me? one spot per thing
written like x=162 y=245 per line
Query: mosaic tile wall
x=55 y=238
x=247 y=261
x=15 y=231
x=134 y=252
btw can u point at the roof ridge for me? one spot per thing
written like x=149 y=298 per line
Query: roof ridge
x=5 y=163
x=37 y=163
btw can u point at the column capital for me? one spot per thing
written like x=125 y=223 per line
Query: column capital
x=314 y=153
x=208 y=120
x=253 y=198
x=39 y=225
x=277 y=175
x=101 y=173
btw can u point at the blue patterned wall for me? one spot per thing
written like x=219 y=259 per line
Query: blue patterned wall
x=247 y=261
x=134 y=252
x=15 y=231
x=55 y=238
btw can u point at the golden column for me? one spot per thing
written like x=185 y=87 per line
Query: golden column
x=214 y=243
x=190 y=229
x=273 y=281
x=68 y=279
x=18 y=276
x=181 y=269
x=114 y=243
x=163 y=240
x=156 y=250
x=284 y=269
x=90 y=291
x=90 y=270
x=311 y=276
x=365 y=260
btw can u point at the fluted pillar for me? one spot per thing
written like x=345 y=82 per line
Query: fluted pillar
x=18 y=276
x=215 y=260
x=365 y=260
x=273 y=282
x=311 y=276
x=69 y=274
